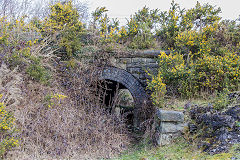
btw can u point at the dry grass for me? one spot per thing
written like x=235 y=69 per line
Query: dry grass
x=10 y=86
x=77 y=127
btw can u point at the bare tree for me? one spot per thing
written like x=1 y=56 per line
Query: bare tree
x=7 y=7
x=14 y=9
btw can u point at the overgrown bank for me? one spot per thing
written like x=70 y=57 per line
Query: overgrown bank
x=48 y=81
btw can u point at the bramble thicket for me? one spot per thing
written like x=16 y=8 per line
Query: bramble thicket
x=204 y=58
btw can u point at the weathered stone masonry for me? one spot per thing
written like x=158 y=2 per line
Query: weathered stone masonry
x=130 y=71
x=128 y=80
x=137 y=64
x=168 y=125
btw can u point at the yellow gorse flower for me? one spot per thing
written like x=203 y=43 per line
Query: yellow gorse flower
x=55 y=99
x=7 y=123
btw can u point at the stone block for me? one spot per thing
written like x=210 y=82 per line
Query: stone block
x=169 y=116
x=132 y=65
x=170 y=127
x=150 y=66
x=136 y=75
x=150 y=60
x=134 y=70
x=164 y=139
x=121 y=66
x=137 y=60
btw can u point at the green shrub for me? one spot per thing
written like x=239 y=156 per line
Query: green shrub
x=201 y=59
x=7 y=131
x=221 y=101
x=139 y=29
x=63 y=23
x=208 y=73
x=158 y=89
x=38 y=72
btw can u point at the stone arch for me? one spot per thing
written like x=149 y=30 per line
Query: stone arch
x=129 y=81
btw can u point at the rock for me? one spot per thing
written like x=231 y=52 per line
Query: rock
x=221 y=128
x=234 y=112
x=217 y=121
x=192 y=127
x=169 y=127
x=234 y=95
x=169 y=116
x=164 y=139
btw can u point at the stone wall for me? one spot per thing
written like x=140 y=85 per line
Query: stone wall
x=137 y=66
x=168 y=125
x=137 y=63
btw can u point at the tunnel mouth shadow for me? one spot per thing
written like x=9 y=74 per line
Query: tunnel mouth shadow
x=118 y=101
x=115 y=79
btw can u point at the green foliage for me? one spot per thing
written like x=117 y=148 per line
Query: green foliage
x=238 y=124
x=189 y=77
x=98 y=14
x=221 y=100
x=147 y=28
x=7 y=131
x=139 y=29
x=169 y=22
x=158 y=89
x=201 y=59
x=21 y=51
x=180 y=149
x=137 y=34
x=201 y=16
x=54 y=100
x=107 y=31
x=38 y=72
x=177 y=20
x=63 y=22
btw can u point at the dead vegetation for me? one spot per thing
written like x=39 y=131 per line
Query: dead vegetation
x=10 y=83
x=57 y=100
x=52 y=127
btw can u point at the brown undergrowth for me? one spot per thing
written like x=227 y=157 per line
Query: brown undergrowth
x=66 y=119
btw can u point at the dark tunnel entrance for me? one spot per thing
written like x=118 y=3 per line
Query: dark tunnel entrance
x=118 y=100
x=117 y=79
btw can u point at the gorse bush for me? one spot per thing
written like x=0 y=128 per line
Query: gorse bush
x=159 y=89
x=140 y=28
x=54 y=100
x=221 y=100
x=39 y=73
x=207 y=73
x=177 y=20
x=7 y=130
x=137 y=34
x=203 y=54
x=63 y=23
x=107 y=31
x=49 y=51
x=20 y=47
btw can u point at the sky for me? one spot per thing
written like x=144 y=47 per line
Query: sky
x=122 y=9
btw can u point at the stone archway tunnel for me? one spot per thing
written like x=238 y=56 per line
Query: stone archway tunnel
x=129 y=71
x=128 y=81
